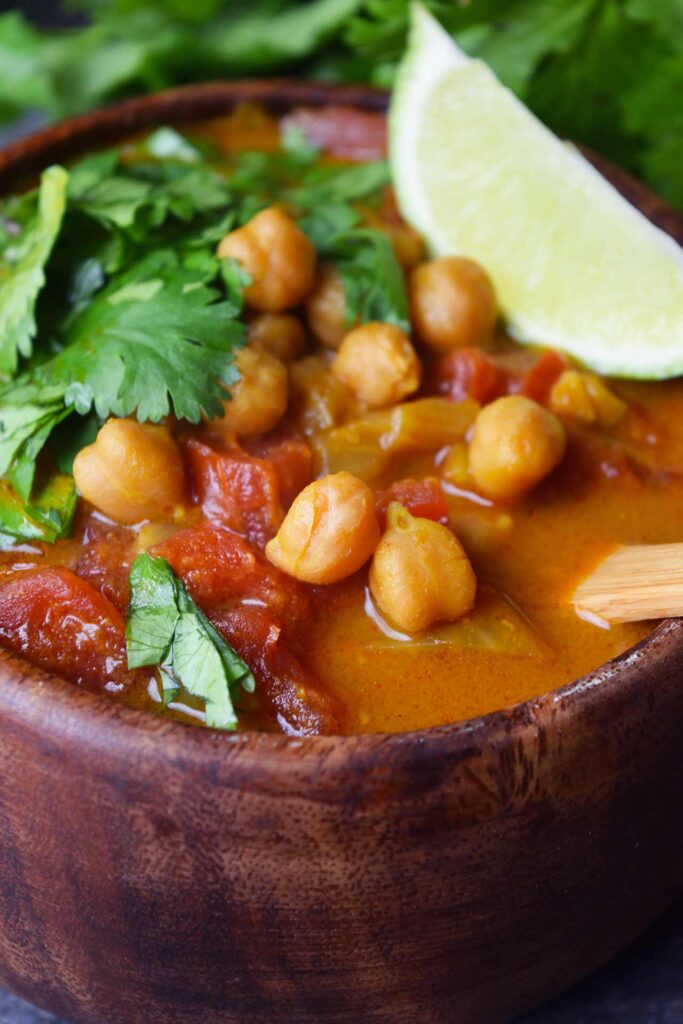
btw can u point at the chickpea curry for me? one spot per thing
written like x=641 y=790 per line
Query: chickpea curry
x=267 y=465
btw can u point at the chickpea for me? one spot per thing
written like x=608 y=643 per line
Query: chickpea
x=259 y=398
x=584 y=397
x=133 y=471
x=321 y=400
x=452 y=303
x=278 y=334
x=420 y=574
x=329 y=532
x=326 y=308
x=378 y=363
x=515 y=443
x=277 y=255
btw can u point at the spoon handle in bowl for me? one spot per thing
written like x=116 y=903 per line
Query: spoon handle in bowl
x=635 y=582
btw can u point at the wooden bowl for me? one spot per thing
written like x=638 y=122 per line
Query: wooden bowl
x=158 y=873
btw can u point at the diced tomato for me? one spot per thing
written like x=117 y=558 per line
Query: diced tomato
x=423 y=498
x=343 y=132
x=282 y=680
x=219 y=568
x=293 y=462
x=237 y=490
x=61 y=623
x=539 y=379
x=469 y=372
x=105 y=560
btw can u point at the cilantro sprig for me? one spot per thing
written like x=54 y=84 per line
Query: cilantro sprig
x=324 y=198
x=23 y=276
x=606 y=73
x=374 y=283
x=166 y=628
x=48 y=516
x=28 y=415
x=155 y=339
x=113 y=301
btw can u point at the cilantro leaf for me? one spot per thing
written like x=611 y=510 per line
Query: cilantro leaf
x=87 y=278
x=536 y=46
x=184 y=191
x=327 y=223
x=650 y=112
x=153 y=611
x=24 y=80
x=113 y=200
x=265 y=38
x=294 y=176
x=236 y=279
x=155 y=338
x=28 y=415
x=373 y=280
x=166 y=628
x=168 y=144
x=139 y=197
x=596 y=71
x=514 y=45
x=48 y=517
x=334 y=185
x=160 y=336
x=54 y=505
x=199 y=663
x=70 y=436
x=374 y=283
x=570 y=92
x=22 y=277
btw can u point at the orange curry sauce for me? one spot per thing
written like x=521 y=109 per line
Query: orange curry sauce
x=323 y=657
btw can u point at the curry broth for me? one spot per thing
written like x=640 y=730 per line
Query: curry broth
x=559 y=534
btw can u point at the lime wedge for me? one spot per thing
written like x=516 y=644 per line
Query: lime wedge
x=574 y=264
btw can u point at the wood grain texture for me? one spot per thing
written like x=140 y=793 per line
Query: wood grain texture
x=157 y=873
x=636 y=582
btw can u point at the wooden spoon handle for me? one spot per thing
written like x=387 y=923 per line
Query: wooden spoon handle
x=639 y=581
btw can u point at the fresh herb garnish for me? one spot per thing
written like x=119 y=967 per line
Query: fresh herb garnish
x=166 y=628
x=168 y=144
x=23 y=274
x=138 y=197
x=605 y=73
x=326 y=186
x=29 y=413
x=373 y=280
x=48 y=517
x=115 y=303
x=155 y=339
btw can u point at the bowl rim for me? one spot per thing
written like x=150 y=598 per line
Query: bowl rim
x=43 y=701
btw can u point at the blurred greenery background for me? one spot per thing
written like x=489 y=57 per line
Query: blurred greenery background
x=608 y=73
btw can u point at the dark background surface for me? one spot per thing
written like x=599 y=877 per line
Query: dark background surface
x=642 y=986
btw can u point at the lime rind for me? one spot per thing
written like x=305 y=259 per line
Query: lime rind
x=574 y=264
